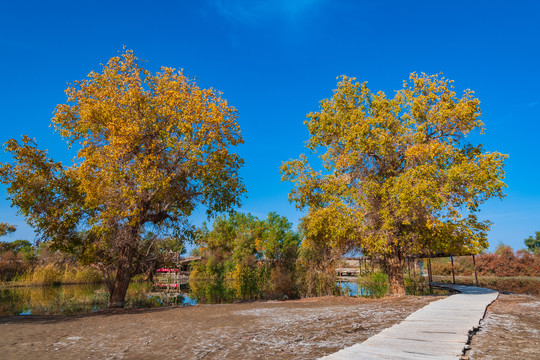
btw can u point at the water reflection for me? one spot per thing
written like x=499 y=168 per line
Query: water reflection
x=349 y=288
x=80 y=299
x=52 y=300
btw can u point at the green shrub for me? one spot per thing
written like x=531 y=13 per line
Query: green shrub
x=376 y=283
x=416 y=285
x=209 y=281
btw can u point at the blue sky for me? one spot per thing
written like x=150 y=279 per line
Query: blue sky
x=275 y=60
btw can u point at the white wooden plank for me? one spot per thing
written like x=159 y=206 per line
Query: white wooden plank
x=437 y=331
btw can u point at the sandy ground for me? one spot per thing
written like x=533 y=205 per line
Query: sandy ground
x=302 y=329
x=510 y=330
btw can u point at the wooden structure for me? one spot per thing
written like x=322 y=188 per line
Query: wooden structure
x=346 y=273
x=352 y=267
x=173 y=278
x=170 y=278
x=440 y=330
x=451 y=256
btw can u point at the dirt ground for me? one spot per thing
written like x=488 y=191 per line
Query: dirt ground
x=301 y=329
x=510 y=330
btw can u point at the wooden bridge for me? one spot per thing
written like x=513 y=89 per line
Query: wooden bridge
x=440 y=330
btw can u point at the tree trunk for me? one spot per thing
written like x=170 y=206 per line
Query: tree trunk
x=123 y=276
x=150 y=273
x=394 y=269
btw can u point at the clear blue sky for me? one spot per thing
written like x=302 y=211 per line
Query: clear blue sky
x=275 y=60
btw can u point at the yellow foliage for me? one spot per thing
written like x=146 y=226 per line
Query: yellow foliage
x=399 y=176
x=150 y=148
x=144 y=141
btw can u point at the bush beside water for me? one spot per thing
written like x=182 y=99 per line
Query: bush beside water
x=51 y=274
x=50 y=300
x=376 y=283
x=76 y=299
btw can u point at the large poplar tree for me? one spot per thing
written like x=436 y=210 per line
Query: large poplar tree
x=399 y=177
x=150 y=148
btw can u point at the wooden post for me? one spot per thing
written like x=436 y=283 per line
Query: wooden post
x=475 y=273
x=429 y=275
x=409 y=266
x=453 y=274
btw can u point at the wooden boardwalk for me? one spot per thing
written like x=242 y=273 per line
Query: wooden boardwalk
x=440 y=330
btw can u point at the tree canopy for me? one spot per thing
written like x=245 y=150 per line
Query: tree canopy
x=533 y=243
x=5 y=229
x=244 y=257
x=248 y=238
x=398 y=177
x=150 y=149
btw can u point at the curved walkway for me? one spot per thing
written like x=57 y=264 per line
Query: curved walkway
x=440 y=330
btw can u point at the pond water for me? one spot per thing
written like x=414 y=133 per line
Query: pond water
x=349 y=288
x=79 y=299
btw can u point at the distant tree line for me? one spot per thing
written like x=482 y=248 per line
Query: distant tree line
x=26 y=263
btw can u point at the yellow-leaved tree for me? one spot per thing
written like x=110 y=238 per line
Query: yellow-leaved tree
x=5 y=229
x=399 y=177
x=150 y=148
